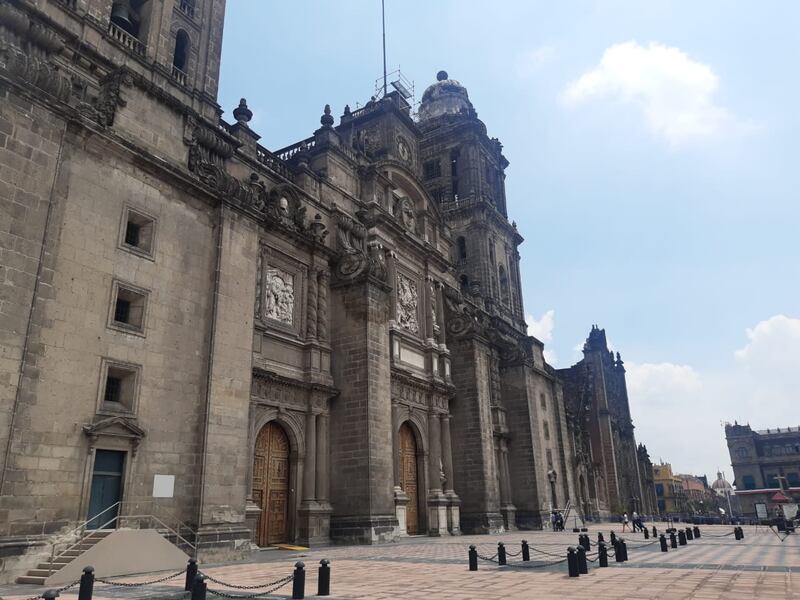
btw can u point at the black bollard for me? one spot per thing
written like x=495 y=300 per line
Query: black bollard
x=655 y=531
x=613 y=538
x=741 y=533
x=199 y=588
x=663 y=540
x=600 y=537
x=689 y=534
x=602 y=554
x=87 y=584
x=673 y=541
x=324 y=578
x=473 y=558
x=526 y=552
x=50 y=594
x=622 y=546
x=618 y=555
x=580 y=541
x=736 y=533
x=586 y=542
x=191 y=573
x=299 y=582
x=583 y=567
x=501 y=553
x=572 y=562
x=646 y=533
x=681 y=538
x=696 y=532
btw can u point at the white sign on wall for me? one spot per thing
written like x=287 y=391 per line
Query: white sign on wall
x=163 y=486
x=761 y=510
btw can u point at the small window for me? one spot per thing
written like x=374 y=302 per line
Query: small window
x=793 y=480
x=546 y=430
x=742 y=452
x=119 y=387
x=129 y=306
x=749 y=482
x=543 y=401
x=454 y=162
x=549 y=458
x=138 y=232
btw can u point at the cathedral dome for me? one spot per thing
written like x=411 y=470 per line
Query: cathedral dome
x=721 y=486
x=445 y=97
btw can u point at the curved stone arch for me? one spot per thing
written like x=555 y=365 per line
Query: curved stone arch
x=419 y=426
x=409 y=182
x=291 y=425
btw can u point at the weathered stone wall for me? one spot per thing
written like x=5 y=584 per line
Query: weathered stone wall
x=30 y=147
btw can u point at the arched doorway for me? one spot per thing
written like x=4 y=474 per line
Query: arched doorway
x=408 y=476
x=271 y=484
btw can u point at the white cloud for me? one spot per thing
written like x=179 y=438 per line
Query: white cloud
x=678 y=409
x=542 y=329
x=530 y=62
x=674 y=92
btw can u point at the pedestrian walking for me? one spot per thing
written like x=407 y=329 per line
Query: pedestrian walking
x=636 y=525
x=624 y=521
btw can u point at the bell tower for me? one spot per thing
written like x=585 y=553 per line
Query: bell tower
x=180 y=40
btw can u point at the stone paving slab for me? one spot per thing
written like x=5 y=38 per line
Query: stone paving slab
x=760 y=566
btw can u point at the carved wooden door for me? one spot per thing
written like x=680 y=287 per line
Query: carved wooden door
x=271 y=484
x=408 y=477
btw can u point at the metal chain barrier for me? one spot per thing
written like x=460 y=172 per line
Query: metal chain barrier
x=543 y=552
x=489 y=559
x=278 y=582
x=719 y=536
x=276 y=586
x=133 y=585
x=513 y=554
x=537 y=564
x=59 y=590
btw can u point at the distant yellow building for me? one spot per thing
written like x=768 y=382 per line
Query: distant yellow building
x=670 y=495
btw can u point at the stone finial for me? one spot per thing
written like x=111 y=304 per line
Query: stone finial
x=327 y=119
x=241 y=113
x=346 y=110
x=442 y=76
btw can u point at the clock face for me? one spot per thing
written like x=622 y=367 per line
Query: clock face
x=403 y=150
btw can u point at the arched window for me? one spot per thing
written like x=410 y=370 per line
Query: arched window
x=503 y=284
x=181 y=57
x=464 y=284
x=462 y=247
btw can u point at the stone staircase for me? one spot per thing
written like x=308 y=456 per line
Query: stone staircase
x=43 y=570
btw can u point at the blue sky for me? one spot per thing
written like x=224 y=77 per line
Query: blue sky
x=653 y=149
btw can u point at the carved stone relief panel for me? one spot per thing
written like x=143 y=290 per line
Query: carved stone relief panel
x=407 y=302
x=279 y=297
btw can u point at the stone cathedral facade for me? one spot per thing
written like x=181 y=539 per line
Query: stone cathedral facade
x=320 y=343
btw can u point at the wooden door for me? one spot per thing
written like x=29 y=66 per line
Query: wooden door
x=106 y=489
x=408 y=476
x=271 y=484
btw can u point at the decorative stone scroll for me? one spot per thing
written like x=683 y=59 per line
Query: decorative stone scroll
x=279 y=301
x=407 y=300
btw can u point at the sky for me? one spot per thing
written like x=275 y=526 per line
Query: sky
x=654 y=174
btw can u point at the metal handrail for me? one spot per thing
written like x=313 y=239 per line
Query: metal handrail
x=81 y=528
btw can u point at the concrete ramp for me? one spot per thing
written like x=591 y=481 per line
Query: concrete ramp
x=124 y=552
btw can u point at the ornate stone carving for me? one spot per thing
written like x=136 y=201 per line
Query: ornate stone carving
x=322 y=305
x=405 y=212
x=279 y=301
x=311 y=306
x=357 y=259
x=407 y=302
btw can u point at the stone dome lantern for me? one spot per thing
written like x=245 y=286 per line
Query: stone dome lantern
x=445 y=97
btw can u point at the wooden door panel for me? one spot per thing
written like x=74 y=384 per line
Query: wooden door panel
x=271 y=484
x=408 y=477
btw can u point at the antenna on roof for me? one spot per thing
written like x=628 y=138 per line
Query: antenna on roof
x=383 y=20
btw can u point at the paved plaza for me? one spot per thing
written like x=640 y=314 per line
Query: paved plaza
x=715 y=566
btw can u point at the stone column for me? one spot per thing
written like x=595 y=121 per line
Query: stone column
x=506 y=473
x=447 y=456
x=429 y=305
x=396 y=443
x=391 y=270
x=311 y=306
x=501 y=473
x=322 y=306
x=434 y=455
x=309 y=473
x=322 y=457
x=440 y=313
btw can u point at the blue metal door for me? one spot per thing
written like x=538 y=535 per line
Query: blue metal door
x=106 y=488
